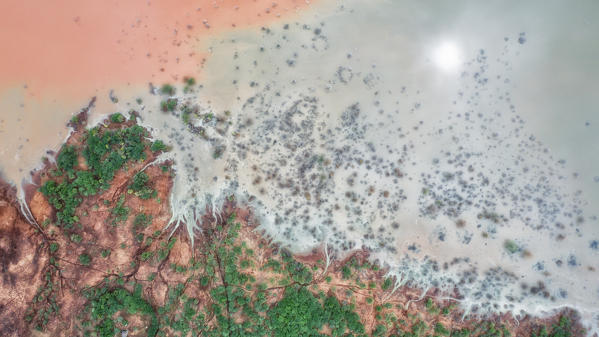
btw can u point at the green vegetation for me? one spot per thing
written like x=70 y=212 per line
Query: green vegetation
x=165 y=249
x=85 y=259
x=300 y=313
x=117 y=118
x=146 y=255
x=216 y=293
x=168 y=105
x=105 y=253
x=441 y=330
x=189 y=83
x=511 y=246
x=105 y=302
x=431 y=307
x=105 y=152
x=346 y=272
x=387 y=283
x=167 y=89
x=186 y=112
x=298 y=272
x=158 y=146
x=119 y=213
x=142 y=220
x=233 y=303
x=67 y=159
x=44 y=305
x=562 y=329
x=237 y=303
x=140 y=186
x=76 y=238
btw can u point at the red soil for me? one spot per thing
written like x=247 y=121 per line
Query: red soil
x=79 y=46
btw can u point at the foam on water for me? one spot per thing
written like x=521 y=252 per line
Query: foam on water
x=350 y=128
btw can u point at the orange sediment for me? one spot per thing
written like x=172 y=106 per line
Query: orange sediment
x=58 y=54
x=82 y=45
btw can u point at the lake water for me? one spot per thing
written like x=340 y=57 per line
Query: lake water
x=458 y=141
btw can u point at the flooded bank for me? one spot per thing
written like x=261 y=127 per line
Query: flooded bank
x=457 y=143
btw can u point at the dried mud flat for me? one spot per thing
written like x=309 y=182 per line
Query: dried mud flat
x=120 y=268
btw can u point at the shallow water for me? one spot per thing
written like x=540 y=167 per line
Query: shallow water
x=59 y=54
x=458 y=142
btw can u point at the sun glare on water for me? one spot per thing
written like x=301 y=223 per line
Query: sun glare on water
x=447 y=56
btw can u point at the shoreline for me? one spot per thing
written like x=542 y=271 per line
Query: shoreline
x=408 y=301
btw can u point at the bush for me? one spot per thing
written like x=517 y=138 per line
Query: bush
x=120 y=212
x=85 y=259
x=511 y=246
x=300 y=313
x=105 y=303
x=140 y=187
x=167 y=89
x=158 y=146
x=105 y=152
x=67 y=159
x=117 y=118
x=76 y=238
x=189 y=81
x=168 y=105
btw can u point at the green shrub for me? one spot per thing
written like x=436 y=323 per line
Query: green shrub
x=117 y=118
x=190 y=81
x=105 y=152
x=562 y=329
x=119 y=213
x=441 y=330
x=511 y=246
x=169 y=104
x=104 y=303
x=387 y=283
x=300 y=313
x=142 y=220
x=146 y=255
x=140 y=187
x=167 y=89
x=67 y=159
x=85 y=259
x=345 y=272
x=158 y=146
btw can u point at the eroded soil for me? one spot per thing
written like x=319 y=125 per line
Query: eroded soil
x=56 y=278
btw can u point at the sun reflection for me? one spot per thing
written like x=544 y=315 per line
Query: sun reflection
x=447 y=56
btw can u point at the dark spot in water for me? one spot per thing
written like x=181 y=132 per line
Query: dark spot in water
x=441 y=236
x=572 y=262
x=522 y=38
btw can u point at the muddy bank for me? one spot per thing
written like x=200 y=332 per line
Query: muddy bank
x=23 y=259
x=119 y=267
